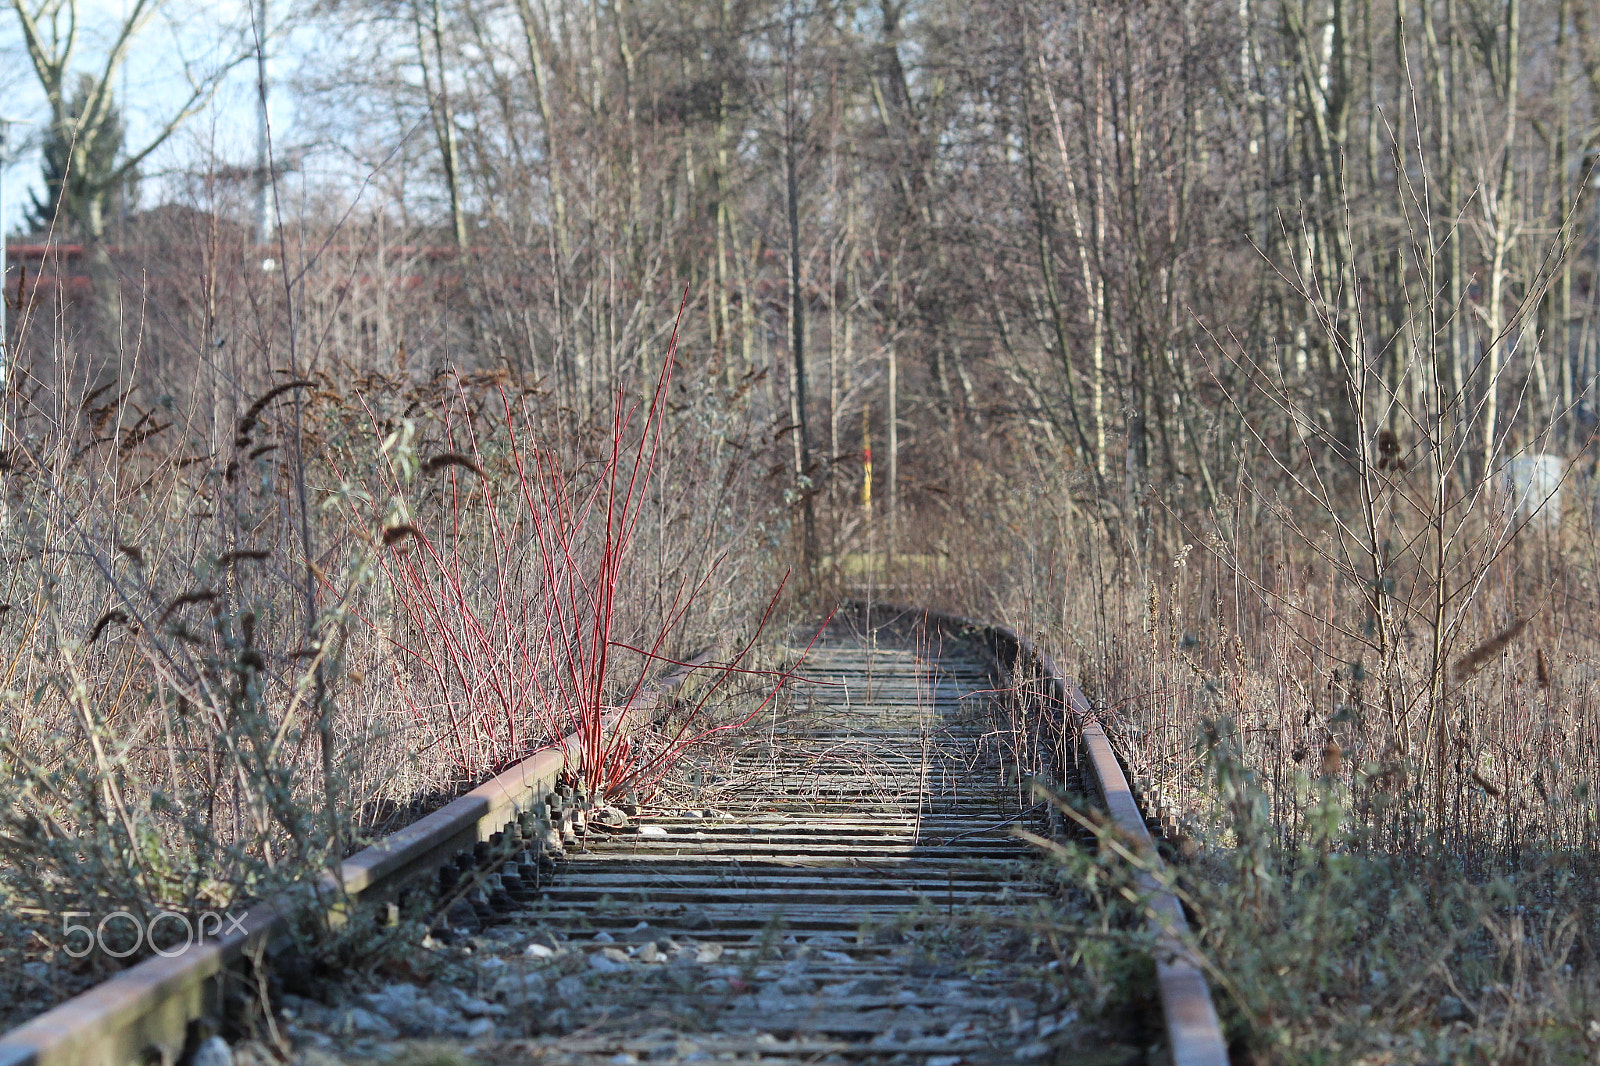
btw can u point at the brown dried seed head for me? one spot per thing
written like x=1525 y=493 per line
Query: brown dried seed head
x=1475 y=659
x=1332 y=758
x=395 y=534
x=106 y=619
x=139 y=434
x=1544 y=669
x=439 y=462
x=247 y=424
x=197 y=596
x=1389 y=451
x=95 y=395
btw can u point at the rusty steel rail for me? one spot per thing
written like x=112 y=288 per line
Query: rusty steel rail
x=144 y=1013
x=1194 y=1032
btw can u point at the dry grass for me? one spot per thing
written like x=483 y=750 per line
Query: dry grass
x=204 y=692
x=1347 y=914
x=205 y=680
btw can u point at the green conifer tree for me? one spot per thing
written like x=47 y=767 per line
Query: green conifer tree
x=83 y=188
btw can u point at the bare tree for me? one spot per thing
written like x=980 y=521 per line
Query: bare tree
x=83 y=108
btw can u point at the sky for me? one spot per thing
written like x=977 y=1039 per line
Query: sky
x=153 y=86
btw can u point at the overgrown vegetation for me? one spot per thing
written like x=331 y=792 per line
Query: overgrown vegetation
x=1202 y=340
x=238 y=641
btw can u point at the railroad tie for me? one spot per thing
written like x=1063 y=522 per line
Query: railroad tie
x=845 y=889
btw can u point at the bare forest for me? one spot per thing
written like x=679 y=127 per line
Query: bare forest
x=1243 y=353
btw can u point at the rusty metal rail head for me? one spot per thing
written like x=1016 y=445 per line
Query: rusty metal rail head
x=143 y=1014
x=1194 y=1033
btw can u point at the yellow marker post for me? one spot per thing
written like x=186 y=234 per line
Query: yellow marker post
x=866 y=459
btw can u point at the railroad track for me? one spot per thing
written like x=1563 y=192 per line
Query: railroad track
x=842 y=885
x=856 y=883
